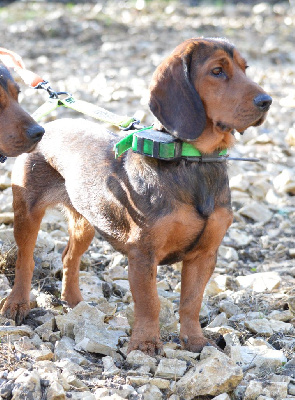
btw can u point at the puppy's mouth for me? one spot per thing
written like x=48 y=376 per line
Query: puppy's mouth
x=260 y=120
x=224 y=127
x=4 y=154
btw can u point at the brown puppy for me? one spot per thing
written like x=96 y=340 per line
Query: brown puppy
x=155 y=211
x=19 y=133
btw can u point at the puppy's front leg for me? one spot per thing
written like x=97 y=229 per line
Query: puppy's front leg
x=26 y=226
x=196 y=272
x=142 y=278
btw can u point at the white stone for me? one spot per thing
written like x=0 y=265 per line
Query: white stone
x=101 y=393
x=216 y=285
x=64 y=349
x=137 y=357
x=268 y=389
x=22 y=330
x=219 y=320
x=229 y=308
x=240 y=237
x=27 y=386
x=4 y=285
x=214 y=374
x=268 y=327
x=262 y=356
x=109 y=367
x=161 y=383
x=171 y=368
x=90 y=286
x=55 y=391
x=228 y=253
x=180 y=354
x=222 y=396
x=285 y=181
x=125 y=391
x=283 y=316
x=122 y=285
x=96 y=338
x=257 y=212
x=150 y=392
x=238 y=182
x=82 y=312
x=260 y=282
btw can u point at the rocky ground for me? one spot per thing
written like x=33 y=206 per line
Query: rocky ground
x=105 y=53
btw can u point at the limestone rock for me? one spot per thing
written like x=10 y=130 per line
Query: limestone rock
x=260 y=282
x=23 y=330
x=81 y=312
x=150 y=392
x=219 y=320
x=229 y=308
x=257 y=212
x=285 y=182
x=27 y=386
x=267 y=327
x=214 y=374
x=138 y=358
x=64 y=349
x=216 y=285
x=228 y=253
x=90 y=286
x=171 y=368
x=109 y=367
x=273 y=390
x=222 y=396
x=55 y=391
x=258 y=356
x=95 y=338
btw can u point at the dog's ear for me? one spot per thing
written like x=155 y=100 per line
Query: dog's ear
x=173 y=98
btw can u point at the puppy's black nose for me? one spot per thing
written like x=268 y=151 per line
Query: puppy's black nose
x=35 y=132
x=263 y=102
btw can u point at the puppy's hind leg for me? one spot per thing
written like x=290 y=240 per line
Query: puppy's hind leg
x=34 y=184
x=81 y=234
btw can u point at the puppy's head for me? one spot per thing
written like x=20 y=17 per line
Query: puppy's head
x=19 y=133
x=203 y=84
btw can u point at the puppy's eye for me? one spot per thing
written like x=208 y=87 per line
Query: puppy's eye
x=217 y=71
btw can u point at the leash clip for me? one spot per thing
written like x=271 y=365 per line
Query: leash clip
x=133 y=125
x=45 y=85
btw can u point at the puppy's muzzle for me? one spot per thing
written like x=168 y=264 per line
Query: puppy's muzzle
x=263 y=102
x=35 y=132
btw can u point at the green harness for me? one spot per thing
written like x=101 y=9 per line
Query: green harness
x=163 y=146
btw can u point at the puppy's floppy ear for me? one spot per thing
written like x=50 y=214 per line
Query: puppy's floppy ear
x=173 y=98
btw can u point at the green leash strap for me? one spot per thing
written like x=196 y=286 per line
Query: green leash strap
x=50 y=105
x=85 y=108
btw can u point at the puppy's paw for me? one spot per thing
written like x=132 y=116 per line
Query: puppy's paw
x=151 y=347
x=72 y=298
x=196 y=344
x=16 y=310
